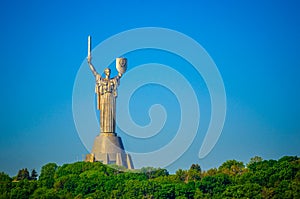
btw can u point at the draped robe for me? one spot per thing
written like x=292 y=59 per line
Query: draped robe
x=106 y=90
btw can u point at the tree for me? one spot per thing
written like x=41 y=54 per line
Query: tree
x=262 y=179
x=194 y=173
x=45 y=193
x=214 y=185
x=232 y=167
x=23 y=174
x=185 y=190
x=196 y=167
x=5 y=184
x=46 y=178
x=248 y=190
x=210 y=172
x=152 y=172
x=166 y=191
x=181 y=175
x=198 y=194
x=22 y=188
x=33 y=175
x=255 y=159
x=288 y=158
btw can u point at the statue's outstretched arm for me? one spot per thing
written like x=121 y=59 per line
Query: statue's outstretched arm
x=92 y=66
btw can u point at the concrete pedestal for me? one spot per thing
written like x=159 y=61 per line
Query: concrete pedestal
x=108 y=149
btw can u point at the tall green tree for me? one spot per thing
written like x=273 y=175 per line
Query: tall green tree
x=194 y=173
x=181 y=175
x=33 y=175
x=46 y=178
x=23 y=174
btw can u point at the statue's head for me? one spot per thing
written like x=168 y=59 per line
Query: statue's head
x=107 y=72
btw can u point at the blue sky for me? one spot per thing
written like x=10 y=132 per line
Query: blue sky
x=255 y=44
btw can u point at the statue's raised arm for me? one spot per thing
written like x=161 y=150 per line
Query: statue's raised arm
x=89 y=59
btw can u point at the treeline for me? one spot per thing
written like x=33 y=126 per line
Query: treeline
x=258 y=179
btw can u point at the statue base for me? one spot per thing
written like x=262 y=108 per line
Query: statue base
x=108 y=149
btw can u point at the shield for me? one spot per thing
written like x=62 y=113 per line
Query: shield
x=121 y=65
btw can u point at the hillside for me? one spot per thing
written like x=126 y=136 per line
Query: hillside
x=258 y=179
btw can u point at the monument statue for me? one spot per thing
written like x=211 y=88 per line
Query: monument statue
x=108 y=147
x=106 y=91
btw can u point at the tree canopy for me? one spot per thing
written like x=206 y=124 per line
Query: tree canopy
x=259 y=179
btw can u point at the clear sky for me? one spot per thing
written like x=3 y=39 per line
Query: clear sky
x=255 y=45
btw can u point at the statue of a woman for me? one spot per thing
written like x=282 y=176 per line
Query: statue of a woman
x=106 y=90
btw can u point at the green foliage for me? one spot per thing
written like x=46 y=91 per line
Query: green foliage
x=210 y=172
x=247 y=190
x=23 y=174
x=165 y=191
x=181 y=175
x=23 y=188
x=254 y=160
x=5 y=185
x=261 y=179
x=47 y=175
x=214 y=185
x=152 y=172
x=232 y=167
x=194 y=173
x=33 y=175
x=185 y=190
x=288 y=159
x=44 y=193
